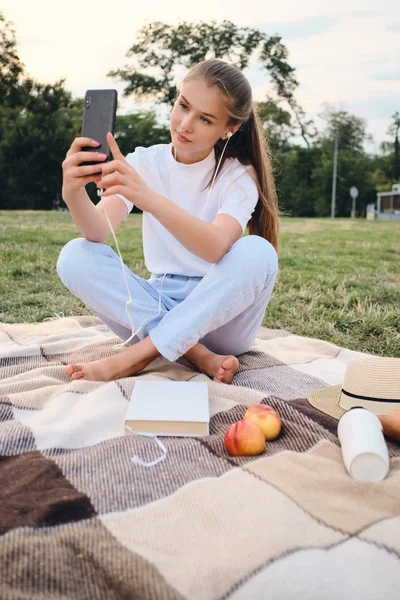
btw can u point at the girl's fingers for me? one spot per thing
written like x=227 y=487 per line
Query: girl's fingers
x=114 y=165
x=116 y=152
x=85 y=157
x=112 y=179
x=81 y=142
x=87 y=170
x=116 y=189
x=86 y=180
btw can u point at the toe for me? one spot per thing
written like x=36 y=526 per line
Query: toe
x=78 y=375
x=70 y=369
x=230 y=362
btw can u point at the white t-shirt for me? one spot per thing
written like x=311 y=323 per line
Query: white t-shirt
x=234 y=193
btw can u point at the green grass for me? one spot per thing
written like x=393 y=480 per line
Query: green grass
x=339 y=280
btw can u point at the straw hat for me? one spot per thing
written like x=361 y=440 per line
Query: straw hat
x=372 y=382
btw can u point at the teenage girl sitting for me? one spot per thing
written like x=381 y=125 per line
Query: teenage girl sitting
x=210 y=285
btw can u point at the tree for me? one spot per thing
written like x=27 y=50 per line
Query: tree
x=11 y=67
x=278 y=124
x=382 y=167
x=34 y=144
x=352 y=130
x=37 y=126
x=140 y=129
x=34 y=131
x=394 y=130
x=38 y=136
x=354 y=165
x=294 y=181
x=162 y=48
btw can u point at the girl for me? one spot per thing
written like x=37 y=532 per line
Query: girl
x=209 y=286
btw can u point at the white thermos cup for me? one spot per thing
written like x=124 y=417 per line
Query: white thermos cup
x=364 y=449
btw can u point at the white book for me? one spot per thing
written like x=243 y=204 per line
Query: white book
x=176 y=408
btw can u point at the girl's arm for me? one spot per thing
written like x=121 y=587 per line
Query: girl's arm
x=209 y=241
x=90 y=219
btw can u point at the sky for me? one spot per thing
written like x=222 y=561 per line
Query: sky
x=346 y=57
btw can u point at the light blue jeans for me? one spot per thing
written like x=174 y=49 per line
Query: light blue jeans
x=222 y=310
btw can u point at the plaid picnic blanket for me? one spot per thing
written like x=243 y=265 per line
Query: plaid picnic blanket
x=79 y=520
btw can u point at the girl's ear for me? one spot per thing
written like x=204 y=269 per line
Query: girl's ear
x=234 y=129
x=229 y=134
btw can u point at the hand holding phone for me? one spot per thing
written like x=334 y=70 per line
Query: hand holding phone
x=80 y=166
x=76 y=173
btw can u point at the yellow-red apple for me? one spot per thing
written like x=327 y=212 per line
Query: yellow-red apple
x=244 y=438
x=266 y=418
x=391 y=424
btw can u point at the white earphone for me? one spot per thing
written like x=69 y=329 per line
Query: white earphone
x=229 y=134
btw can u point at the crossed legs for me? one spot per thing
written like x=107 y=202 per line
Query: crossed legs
x=225 y=310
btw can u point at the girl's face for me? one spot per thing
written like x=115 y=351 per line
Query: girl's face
x=199 y=115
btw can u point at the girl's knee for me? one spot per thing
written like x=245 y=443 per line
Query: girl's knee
x=257 y=252
x=74 y=258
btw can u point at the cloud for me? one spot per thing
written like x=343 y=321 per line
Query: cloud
x=379 y=104
x=364 y=13
x=393 y=27
x=301 y=28
x=395 y=76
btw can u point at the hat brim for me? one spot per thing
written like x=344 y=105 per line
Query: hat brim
x=332 y=402
x=327 y=401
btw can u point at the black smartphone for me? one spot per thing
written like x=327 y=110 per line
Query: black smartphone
x=99 y=115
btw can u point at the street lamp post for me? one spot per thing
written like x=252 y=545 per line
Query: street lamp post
x=333 y=200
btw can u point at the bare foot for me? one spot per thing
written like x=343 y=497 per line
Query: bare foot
x=225 y=368
x=106 y=369
x=128 y=362
x=220 y=368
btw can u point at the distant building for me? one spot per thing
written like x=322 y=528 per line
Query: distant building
x=388 y=204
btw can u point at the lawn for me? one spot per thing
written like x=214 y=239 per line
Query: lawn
x=339 y=279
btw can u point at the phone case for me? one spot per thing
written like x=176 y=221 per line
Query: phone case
x=99 y=115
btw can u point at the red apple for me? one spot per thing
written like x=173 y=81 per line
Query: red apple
x=266 y=418
x=244 y=438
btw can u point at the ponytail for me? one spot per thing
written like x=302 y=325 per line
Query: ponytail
x=249 y=145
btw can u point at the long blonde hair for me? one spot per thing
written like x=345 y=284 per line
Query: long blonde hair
x=249 y=144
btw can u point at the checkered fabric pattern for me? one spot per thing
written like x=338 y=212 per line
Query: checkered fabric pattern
x=79 y=520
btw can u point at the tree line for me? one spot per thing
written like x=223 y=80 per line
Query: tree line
x=39 y=121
